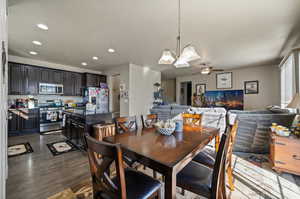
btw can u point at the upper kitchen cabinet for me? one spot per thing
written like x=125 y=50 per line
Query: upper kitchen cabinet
x=15 y=76
x=31 y=80
x=57 y=77
x=72 y=84
x=93 y=80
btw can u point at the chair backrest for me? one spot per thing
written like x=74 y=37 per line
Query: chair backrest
x=100 y=168
x=218 y=179
x=126 y=124
x=191 y=119
x=148 y=121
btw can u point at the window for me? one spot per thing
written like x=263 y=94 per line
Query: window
x=288 y=79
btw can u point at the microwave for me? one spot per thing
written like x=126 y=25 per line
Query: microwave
x=51 y=89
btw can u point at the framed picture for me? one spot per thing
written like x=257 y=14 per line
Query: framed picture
x=251 y=87
x=200 y=88
x=224 y=80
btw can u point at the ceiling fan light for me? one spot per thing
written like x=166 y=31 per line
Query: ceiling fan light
x=189 y=54
x=206 y=71
x=166 y=58
x=181 y=63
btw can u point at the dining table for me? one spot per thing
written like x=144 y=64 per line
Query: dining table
x=165 y=154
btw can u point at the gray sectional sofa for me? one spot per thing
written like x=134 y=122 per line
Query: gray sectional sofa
x=253 y=131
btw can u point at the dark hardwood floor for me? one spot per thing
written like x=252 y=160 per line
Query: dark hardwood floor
x=39 y=174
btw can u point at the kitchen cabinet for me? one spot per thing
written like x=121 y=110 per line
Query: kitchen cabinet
x=15 y=75
x=77 y=84
x=31 y=76
x=57 y=77
x=72 y=84
x=45 y=76
x=93 y=80
x=17 y=125
x=24 y=79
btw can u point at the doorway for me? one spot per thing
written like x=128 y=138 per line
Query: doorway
x=115 y=93
x=186 y=93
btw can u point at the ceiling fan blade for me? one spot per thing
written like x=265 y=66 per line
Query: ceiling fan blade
x=218 y=70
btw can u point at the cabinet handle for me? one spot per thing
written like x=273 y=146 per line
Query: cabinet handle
x=279 y=162
x=280 y=143
x=296 y=157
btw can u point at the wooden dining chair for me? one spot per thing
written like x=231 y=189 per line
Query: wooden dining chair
x=128 y=183
x=101 y=131
x=207 y=156
x=204 y=181
x=148 y=121
x=191 y=119
x=126 y=124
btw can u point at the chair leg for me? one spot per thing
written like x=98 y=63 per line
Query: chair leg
x=230 y=177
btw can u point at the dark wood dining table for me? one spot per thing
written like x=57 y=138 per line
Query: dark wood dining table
x=165 y=154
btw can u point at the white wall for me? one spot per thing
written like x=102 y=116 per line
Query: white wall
x=123 y=71
x=3 y=104
x=35 y=62
x=169 y=87
x=269 y=85
x=138 y=82
x=142 y=81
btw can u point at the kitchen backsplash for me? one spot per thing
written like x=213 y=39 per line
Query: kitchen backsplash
x=44 y=98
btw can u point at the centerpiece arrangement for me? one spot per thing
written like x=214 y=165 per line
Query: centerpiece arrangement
x=165 y=128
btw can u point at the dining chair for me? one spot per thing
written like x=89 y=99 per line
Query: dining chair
x=207 y=156
x=128 y=183
x=204 y=181
x=148 y=121
x=191 y=119
x=126 y=124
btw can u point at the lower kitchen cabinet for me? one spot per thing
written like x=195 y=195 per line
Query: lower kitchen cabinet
x=17 y=125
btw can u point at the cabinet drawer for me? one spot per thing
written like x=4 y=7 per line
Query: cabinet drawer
x=287 y=157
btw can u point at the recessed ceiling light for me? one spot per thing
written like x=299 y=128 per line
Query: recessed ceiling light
x=95 y=58
x=84 y=63
x=37 y=43
x=111 y=50
x=33 y=53
x=42 y=26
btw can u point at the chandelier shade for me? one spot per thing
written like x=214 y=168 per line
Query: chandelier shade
x=181 y=63
x=167 y=57
x=189 y=54
x=183 y=57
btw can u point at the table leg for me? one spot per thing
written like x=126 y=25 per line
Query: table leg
x=217 y=142
x=170 y=185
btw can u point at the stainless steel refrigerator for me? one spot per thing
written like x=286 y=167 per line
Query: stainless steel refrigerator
x=96 y=100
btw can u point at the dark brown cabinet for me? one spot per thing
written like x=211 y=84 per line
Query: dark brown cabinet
x=24 y=80
x=93 y=80
x=15 y=85
x=18 y=125
x=57 y=77
x=31 y=77
x=72 y=84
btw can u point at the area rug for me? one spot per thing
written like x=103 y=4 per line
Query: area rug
x=84 y=190
x=19 y=149
x=60 y=147
x=251 y=182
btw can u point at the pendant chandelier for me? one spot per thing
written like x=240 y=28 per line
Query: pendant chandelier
x=180 y=57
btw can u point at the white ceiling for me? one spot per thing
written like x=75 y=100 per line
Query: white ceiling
x=228 y=33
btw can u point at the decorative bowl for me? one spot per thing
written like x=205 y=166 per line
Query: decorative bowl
x=166 y=131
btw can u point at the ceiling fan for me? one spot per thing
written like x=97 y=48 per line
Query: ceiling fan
x=206 y=68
